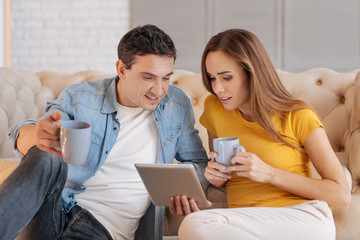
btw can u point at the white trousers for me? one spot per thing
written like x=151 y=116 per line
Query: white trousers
x=306 y=221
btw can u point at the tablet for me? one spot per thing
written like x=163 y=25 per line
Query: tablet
x=165 y=180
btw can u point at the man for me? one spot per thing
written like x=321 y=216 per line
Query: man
x=136 y=117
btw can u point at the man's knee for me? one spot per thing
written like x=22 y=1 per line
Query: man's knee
x=41 y=161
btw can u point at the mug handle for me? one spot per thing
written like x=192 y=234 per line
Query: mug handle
x=239 y=148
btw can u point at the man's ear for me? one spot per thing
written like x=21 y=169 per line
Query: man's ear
x=120 y=69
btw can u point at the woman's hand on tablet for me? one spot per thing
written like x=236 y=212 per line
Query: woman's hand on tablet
x=182 y=205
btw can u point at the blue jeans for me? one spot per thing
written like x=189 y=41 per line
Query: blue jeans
x=31 y=203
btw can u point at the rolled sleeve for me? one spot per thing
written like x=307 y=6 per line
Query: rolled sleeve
x=13 y=134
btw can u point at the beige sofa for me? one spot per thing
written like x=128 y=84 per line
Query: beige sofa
x=336 y=97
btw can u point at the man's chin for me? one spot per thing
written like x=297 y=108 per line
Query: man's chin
x=149 y=107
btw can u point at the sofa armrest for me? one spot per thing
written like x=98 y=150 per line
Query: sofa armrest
x=7 y=166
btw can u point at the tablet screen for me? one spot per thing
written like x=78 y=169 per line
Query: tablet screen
x=165 y=180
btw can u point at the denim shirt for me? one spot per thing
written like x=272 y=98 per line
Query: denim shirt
x=95 y=102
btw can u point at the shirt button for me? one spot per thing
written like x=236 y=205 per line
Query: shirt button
x=69 y=196
x=114 y=128
x=157 y=119
x=164 y=144
x=172 y=137
x=106 y=152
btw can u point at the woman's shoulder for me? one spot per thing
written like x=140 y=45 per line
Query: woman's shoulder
x=303 y=122
x=304 y=113
x=304 y=118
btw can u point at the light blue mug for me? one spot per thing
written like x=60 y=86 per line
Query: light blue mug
x=226 y=148
x=75 y=138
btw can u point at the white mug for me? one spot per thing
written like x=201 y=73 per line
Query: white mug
x=75 y=138
x=226 y=148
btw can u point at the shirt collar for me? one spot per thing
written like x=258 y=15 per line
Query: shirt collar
x=110 y=101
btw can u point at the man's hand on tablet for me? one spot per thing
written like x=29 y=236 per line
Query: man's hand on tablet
x=181 y=205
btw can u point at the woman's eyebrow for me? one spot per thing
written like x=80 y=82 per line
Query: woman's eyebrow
x=225 y=72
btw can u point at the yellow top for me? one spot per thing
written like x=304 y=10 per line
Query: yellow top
x=243 y=192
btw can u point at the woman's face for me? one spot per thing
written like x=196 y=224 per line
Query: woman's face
x=228 y=80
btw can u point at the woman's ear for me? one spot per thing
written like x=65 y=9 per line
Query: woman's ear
x=120 y=69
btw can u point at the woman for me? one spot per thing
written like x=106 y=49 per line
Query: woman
x=271 y=192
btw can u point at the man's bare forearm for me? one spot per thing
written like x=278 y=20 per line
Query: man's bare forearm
x=26 y=138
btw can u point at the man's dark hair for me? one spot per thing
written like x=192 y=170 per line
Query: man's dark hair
x=143 y=40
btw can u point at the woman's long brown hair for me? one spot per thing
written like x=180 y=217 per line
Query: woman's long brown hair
x=268 y=95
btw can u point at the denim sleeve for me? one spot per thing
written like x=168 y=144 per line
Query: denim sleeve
x=51 y=106
x=191 y=149
x=13 y=134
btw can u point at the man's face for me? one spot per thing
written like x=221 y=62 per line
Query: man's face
x=146 y=82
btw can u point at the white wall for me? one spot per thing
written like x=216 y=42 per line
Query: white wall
x=67 y=35
x=74 y=35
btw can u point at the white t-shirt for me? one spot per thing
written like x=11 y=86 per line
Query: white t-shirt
x=115 y=195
